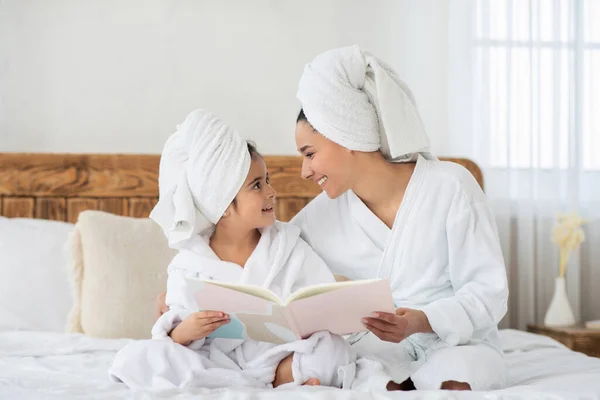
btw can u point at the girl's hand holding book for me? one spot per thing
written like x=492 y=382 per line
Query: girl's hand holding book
x=198 y=325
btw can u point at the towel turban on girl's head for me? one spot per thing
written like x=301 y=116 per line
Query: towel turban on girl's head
x=202 y=167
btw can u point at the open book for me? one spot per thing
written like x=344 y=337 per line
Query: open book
x=257 y=313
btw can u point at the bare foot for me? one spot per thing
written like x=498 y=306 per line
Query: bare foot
x=404 y=386
x=283 y=374
x=312 y=382
x=454 y=385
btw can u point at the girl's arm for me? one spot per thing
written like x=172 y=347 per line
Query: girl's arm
x=180 y=320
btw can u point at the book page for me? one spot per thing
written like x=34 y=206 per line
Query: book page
x=252 y=290
x=251 y=316
x=273 y=327
x=323 y=288
x=341 y=311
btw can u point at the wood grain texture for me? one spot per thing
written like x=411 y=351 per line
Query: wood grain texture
x=284 y=173
x=75 y=206
x=579 y=339
x=118 y=206
x=18 y=207
x=73 y=175
x=140 y=208
x=54 y=208
x=286 y=209
x=59 y=186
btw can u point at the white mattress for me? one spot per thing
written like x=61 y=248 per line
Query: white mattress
x=40 y=365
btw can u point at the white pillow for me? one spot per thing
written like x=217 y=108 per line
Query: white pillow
x=118 y=265
x=34 y=289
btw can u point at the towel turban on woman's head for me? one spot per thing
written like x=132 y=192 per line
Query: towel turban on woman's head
x=358 y=102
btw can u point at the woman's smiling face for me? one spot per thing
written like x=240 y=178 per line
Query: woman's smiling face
x=323 y=161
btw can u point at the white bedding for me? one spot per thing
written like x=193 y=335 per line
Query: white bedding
x=44 y=365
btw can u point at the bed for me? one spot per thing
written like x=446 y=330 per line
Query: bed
x=40 y=361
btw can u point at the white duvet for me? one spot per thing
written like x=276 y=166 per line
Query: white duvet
x=40 y=365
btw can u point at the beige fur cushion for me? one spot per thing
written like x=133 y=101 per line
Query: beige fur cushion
x=118 y=267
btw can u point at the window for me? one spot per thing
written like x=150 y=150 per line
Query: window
x=537 y=82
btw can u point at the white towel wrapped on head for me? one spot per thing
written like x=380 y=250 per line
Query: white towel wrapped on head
x=358 y=102
x=202 y=167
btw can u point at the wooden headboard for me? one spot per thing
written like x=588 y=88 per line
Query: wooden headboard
x=60 y=186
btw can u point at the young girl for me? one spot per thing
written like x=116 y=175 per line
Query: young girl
x=216 y=208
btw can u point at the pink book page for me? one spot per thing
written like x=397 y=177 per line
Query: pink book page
x=340 y=311
x=217 y=298
x=251 y=317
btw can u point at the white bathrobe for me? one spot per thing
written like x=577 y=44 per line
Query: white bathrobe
x=281 y=262
x=442 y=256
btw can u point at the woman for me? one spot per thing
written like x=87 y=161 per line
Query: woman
x=392 y=210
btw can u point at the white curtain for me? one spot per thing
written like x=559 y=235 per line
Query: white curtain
x=524 y=103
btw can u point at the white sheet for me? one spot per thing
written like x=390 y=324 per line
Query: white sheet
x=43 y=365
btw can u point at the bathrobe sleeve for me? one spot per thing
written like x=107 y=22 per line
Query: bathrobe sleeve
x=179 y=300
x=477 y=273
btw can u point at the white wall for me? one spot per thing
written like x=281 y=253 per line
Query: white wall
x=117 y=76
x=420 y=55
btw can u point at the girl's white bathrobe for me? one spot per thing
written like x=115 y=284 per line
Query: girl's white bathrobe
x=442 y=256
x=281 y=262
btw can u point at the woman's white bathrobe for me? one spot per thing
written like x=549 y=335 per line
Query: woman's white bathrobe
x=281 y=262
x=442 y=256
